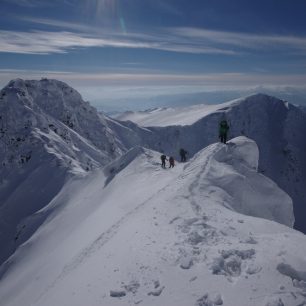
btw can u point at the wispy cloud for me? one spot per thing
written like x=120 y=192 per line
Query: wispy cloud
x=64 y=36
x=242 y=40
x=40 y=42
x=62 y=25
x=43 y=42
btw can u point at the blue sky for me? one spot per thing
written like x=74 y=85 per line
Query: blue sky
x=139 y=43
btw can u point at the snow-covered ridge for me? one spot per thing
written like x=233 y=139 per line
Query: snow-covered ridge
x=60 y=131
x=205 y=233
x=277 y=127
x=164 y=237
x=173 y=116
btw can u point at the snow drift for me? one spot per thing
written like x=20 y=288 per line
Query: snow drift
x=154 y=236
x=233 y=169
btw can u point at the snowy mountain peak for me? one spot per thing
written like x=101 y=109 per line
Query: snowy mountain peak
x=53 y=97
x=259 y=96
x=47 y=134
x=262 y=99
x=51 y=106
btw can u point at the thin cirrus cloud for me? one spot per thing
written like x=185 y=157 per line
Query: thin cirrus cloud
x=180 y=39
x=71 y=26
x=243 y=40
x=42 y=42
x=47 y=42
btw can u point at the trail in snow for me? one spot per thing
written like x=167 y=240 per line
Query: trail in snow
x=200 y=177
x=105 y=237
x=171 y=241
x=108 y=234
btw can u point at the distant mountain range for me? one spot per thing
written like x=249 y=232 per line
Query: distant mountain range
x=158 y=97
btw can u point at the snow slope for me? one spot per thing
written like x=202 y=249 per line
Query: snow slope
x=47 y=134
x=183 y=236
x=278 y=128
x=171 y=116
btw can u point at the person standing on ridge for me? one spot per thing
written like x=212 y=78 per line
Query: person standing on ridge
x=171 y=162
x=163 y=160
x=223 y=129
x=183 y=155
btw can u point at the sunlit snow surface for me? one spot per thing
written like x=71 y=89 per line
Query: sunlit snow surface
x=277 y=127
x=90 y=229
x=135 y=233
x=172 y=116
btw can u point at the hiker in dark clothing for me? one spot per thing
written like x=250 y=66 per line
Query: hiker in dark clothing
x=163 y=160
x=183 y=155
x=223 y=129
x=171 y=162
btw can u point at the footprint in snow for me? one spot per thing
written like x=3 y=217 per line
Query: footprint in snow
x=229 y=263
x=117 y=293
x=157 y=291
x=249 y=240
x=186 y=263
x=206 y=300
x=273 y=301
x=132 y=287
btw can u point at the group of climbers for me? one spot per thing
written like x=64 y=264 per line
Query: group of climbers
x=223 y=129
x=163 y=160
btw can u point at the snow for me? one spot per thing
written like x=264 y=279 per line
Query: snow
x=47 y=134
x=153 y=236
x=172 y=116
x=89 y=217
x=277 y=127
x=256 y=196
